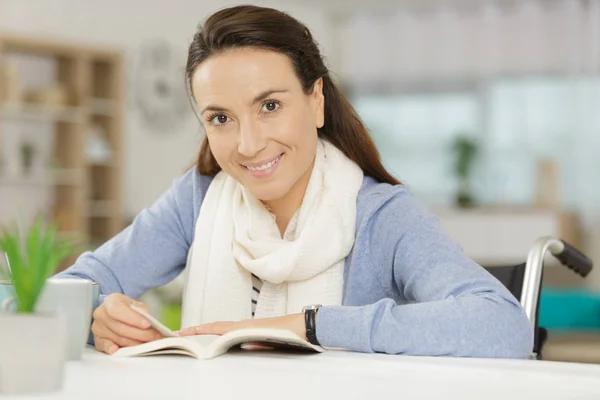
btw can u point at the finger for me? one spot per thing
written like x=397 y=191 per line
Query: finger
x=99 y=313
x=105 y=345
x=120 y=333
x=190 y=331
x=122 y=312
x=215 y=328
x=141 y=305
x=103 y=332
x=256 y=346
x=208 y=329
x=132 y=332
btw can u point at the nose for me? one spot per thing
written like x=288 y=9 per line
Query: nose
x=251 y=141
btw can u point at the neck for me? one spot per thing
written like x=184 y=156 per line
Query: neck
x=285 y=207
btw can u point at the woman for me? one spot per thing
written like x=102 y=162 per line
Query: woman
x=289 y=220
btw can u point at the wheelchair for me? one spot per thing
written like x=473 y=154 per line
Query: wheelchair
x=525 y=280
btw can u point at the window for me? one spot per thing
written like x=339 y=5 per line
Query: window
x=414 y=134
x=533 y=118
x=517 y=121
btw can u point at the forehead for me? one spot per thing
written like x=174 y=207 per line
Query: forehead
x=242 y=73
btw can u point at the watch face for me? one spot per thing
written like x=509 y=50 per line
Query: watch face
x=311 y=307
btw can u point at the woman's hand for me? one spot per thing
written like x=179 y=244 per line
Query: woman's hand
x=292 y=322
x=117 y=325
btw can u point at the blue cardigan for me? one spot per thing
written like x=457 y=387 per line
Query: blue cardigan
x=408 y=288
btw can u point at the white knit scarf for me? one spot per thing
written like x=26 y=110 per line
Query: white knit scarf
x=236 y=236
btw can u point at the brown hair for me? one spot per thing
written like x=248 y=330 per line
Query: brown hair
x=266 y=28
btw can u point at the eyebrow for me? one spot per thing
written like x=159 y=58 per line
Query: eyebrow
x=261 y=96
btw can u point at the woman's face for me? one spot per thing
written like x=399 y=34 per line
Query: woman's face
x=261 y=126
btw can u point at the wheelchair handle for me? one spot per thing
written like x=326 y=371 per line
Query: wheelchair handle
x=565 y=253
x=574 y=259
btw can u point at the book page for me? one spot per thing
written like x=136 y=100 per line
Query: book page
x=276 y=338
x=192 y=346
x=203 y=340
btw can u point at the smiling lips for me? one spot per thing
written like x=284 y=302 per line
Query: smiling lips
x=263 y=169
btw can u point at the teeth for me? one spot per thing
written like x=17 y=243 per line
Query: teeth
x=264 y=166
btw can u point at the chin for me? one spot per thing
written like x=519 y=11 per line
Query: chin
x=269 y=192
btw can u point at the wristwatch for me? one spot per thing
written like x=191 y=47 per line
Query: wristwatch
x=310 y=313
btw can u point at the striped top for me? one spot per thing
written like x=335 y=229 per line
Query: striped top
x=256 y=286
x=256 y=281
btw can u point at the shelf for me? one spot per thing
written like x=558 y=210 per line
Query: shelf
x=84 y=195
x=23 y=182
x=106 y=163
x=102 y=107
x=67 y=177
x=39 y=112
x=101 y=209
x=59 y=177
x=70 y=235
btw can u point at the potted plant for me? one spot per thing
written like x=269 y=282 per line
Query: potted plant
x=465 y=151
x=32 y=344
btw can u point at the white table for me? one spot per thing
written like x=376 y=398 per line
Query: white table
x=332 y=375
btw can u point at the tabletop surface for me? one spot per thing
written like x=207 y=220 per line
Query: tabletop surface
x=331 y=375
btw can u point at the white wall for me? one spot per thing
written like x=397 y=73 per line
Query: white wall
x=151 y=160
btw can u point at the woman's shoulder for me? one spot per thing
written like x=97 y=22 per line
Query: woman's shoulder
x=384 y=203
x=192 y=179
x=374 y=195
x=191 y=185
x=188 y=191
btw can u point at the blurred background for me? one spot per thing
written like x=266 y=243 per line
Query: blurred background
x=489 y=110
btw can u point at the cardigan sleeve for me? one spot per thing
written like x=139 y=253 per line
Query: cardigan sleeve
x=153 y=249
x=455 y=307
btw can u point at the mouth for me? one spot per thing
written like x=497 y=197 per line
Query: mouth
x=265 y=168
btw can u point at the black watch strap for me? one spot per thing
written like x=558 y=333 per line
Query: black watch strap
x=311 y=326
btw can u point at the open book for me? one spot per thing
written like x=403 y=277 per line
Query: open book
x=210 y=346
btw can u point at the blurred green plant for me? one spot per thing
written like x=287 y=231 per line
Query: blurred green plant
x=465 y=151
x=34 y=256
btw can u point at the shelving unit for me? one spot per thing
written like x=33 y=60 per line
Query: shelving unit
x=48 y=178
x=85 y=192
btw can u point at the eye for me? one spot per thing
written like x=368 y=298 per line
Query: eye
x=218 y=120
x=270 y=106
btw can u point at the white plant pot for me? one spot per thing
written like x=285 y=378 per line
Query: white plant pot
x=32 y=353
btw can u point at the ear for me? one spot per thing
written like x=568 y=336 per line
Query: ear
x=319 y=102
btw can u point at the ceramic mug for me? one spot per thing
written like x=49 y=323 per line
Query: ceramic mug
x=7 y=293
x=74 y=299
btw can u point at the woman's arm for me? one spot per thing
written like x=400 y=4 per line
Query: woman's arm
x=457 y=308
x=153 y=249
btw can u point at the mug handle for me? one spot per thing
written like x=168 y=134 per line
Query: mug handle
x=7 y=303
